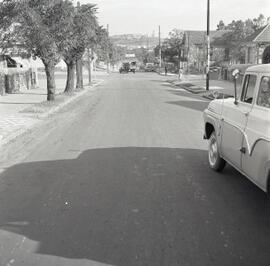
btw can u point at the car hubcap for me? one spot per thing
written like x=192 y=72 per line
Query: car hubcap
x=213 y=152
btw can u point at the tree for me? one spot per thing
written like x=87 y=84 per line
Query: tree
x=51 y=29
x=116 y=54
x=172 y=49
x=259 y=22
x=221 y=25
x=66 y=39
x=7 y=13
x=32 y=23
x=103 y=43
x=85 y=26
x=145 y=55
x=236 y=33
x=74 y=30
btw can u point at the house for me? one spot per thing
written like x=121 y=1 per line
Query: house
x=18 y=69
x=257 y=46
x=195 y=49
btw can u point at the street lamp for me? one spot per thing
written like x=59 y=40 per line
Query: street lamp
x=208 y=45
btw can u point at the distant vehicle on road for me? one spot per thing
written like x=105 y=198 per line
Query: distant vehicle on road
x=133 y=67
x=150 y=67
x=125 y=68
x=128 y=67
x=238 y=129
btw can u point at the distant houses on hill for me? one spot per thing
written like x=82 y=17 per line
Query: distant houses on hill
x=134 y=41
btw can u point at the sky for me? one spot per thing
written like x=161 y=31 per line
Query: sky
x=144 y=16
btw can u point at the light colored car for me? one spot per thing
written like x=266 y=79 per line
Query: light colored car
x=150 y=67
x=238 y=129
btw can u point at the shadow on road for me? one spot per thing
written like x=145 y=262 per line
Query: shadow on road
x=17 y=103
x=185 y=93
x=195 y=105
x=137 y=206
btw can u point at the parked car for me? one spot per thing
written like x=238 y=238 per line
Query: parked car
x=238 y=129
x=150 y=67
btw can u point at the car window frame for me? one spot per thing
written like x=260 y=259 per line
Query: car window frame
x=259 y=89
x=245 y=88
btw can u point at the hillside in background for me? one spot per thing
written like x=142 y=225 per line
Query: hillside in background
x=133 y=41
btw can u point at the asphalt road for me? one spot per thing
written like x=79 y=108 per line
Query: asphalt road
x=120 y=177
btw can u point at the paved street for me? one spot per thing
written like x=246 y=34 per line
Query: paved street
x=22 y=110
x=120 y=177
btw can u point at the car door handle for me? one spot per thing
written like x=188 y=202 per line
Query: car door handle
x=243 y=150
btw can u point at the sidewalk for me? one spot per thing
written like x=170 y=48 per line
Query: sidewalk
x=21 y=111
x=197 y=84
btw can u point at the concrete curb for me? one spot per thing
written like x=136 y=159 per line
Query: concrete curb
x=193 y=89
x=38 y=118
x=168 y=74
x=188 y=86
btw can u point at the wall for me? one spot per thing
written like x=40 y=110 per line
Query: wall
x=15 y=80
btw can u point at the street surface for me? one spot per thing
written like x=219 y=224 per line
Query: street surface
x=120 y=177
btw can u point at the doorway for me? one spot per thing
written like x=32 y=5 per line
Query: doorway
x=266 y=55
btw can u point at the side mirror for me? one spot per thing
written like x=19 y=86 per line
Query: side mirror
x=216 y=94
x=235 y=75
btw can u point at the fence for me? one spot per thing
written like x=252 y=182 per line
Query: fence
x=12 y=80
x=226 y=72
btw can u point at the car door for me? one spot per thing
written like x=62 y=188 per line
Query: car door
x=234 y=122
x=257 y=137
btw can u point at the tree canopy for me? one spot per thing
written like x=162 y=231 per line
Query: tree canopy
x=51 y=30
x=237 y=32
x=172 y=49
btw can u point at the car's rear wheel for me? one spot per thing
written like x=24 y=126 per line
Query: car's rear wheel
x=214 y=159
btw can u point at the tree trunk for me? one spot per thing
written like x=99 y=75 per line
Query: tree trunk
x=49 y=69
x=179 y=58
x=89 y=66
x=79 y=73
x=70 y=76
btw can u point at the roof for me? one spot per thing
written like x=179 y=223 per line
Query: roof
x=264 y=35
x=260 y=68
x=195 y=37
x=251 y=37
x=199 y=37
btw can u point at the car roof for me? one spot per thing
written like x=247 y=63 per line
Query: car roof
x=264 y=68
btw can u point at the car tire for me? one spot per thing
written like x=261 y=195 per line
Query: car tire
x=215 y=161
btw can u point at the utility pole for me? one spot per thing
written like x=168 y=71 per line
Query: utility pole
x=159 y=40
x=208 y=45
x=89 y=57
x=108 y=57
x=188 y=52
